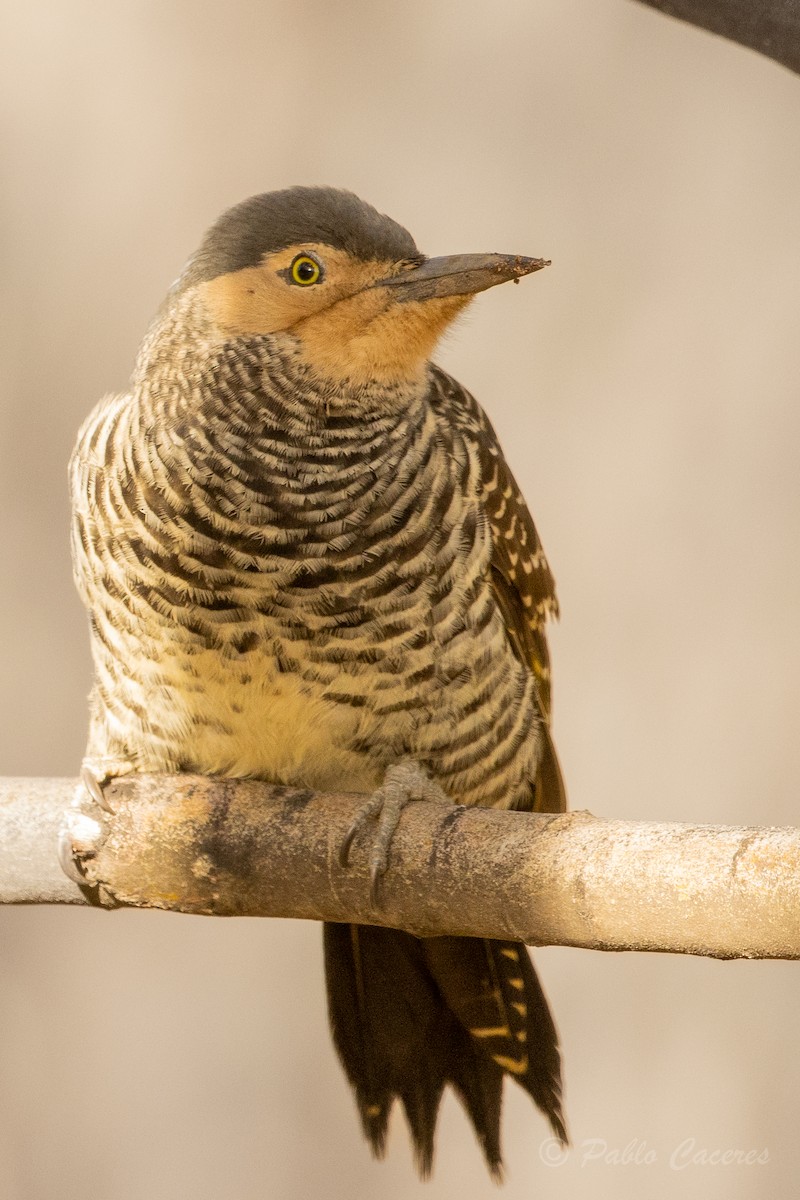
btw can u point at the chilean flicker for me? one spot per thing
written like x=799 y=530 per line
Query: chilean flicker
x=305 y=560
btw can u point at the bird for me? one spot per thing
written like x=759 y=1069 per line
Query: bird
x=305 y=560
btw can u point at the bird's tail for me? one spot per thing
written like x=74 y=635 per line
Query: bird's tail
x=410 y=1015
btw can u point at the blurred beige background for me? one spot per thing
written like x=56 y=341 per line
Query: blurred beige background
x=646 y=390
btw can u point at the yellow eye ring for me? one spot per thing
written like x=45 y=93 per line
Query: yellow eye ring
x=305 y=270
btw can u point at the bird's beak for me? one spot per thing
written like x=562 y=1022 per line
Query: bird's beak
x=459 y=275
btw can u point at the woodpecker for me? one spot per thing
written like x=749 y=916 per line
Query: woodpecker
x=305 y=560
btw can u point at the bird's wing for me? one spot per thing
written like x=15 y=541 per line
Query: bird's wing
x=521 y=578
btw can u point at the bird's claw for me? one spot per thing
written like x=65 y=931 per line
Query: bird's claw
x=403 y=782
x=83 y=833
x=94 y=786
x=77 y=844
x=364 y=814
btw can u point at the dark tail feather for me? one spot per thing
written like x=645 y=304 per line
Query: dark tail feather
x=401 y=1010
x=388 y=1026
x=493 y=990
x=478 y=1083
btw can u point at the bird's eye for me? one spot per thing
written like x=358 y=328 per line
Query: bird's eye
x=305 y=270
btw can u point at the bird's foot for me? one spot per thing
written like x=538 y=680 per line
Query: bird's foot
x=403 y=782
x=84 y=828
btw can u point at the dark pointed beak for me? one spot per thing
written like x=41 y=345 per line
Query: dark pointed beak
x=459 y=275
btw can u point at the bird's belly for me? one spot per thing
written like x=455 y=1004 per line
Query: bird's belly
x=330 y=710
x=463 y=707
x=252 y=720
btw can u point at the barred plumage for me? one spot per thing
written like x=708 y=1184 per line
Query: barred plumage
x=306 y=577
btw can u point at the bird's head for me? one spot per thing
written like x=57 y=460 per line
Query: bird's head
x=345 y=281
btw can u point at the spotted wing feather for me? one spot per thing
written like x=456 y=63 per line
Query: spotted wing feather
x=522 y=582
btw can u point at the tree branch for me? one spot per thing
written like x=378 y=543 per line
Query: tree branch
x=242 y=848
x=770 y=26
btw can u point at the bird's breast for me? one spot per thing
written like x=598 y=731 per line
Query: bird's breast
x=307 y=617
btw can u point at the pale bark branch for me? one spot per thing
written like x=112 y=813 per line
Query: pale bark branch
x=241 y=848
x=772 y=27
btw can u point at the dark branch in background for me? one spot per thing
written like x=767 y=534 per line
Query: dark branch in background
x=240 y=848
x=770 y=26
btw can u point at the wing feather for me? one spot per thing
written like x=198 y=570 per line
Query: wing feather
x=521 y=579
